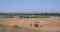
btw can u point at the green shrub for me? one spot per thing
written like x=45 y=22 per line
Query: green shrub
x=1 y=28
x=15 y=26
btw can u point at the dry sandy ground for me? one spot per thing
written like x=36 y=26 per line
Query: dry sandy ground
x=48 y=24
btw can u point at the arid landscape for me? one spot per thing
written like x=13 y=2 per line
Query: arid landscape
x=29 y=15
x=17 y=24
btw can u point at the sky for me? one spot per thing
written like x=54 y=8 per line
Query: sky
x=30 y=6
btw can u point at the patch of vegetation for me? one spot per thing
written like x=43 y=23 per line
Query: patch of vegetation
x=16 y=26
x=1 y=28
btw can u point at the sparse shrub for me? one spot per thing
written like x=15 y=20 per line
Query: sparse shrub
x=16 y=26
x=1 y=28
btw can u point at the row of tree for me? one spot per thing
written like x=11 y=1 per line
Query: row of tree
x=28 y=15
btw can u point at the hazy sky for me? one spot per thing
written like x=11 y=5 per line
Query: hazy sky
x=29 y=5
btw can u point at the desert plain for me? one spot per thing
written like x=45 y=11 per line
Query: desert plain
x=51 y=24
